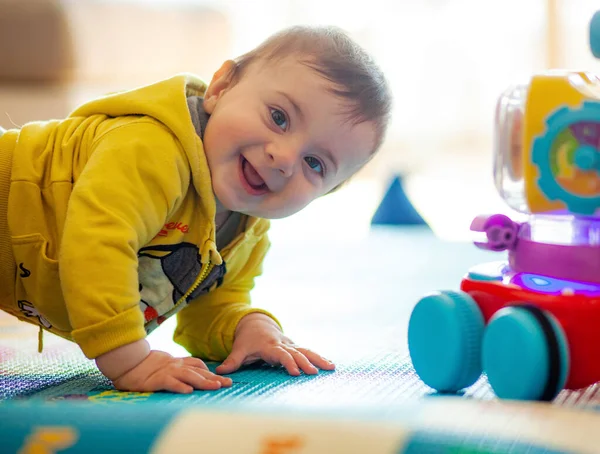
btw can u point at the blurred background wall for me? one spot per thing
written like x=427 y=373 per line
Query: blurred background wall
x=446 y=60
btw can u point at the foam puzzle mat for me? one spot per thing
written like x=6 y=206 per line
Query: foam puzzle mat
x=356 y=313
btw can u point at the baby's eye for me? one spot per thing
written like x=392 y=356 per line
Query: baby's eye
x=315 y=164
x=279 y=118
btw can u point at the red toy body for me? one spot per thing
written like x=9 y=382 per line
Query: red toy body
x=578 y=315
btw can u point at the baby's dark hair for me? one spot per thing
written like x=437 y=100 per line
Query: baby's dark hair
x=336 y=57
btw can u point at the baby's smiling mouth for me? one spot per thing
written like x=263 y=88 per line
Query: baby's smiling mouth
x=255 y=182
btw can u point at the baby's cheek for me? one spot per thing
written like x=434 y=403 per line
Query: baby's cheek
x=303 y=199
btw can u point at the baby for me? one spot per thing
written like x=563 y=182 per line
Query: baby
x=153 y=202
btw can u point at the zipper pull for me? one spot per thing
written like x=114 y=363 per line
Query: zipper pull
x=210 y=254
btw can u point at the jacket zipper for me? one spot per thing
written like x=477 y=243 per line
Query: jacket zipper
x=201 y=277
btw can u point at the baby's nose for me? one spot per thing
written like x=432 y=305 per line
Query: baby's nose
x=283 y=159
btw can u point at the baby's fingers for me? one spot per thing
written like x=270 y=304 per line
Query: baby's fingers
x=283 y=357
x=317 y=359
x=174 y=385
x=198 y=366
x=302 y=361
x=225 y=381
x=196 y=380
x=233 y=362
x=195 y=362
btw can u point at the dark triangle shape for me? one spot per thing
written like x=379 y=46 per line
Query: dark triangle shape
x=395 y=208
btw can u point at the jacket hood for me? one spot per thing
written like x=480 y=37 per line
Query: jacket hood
x=166 y=102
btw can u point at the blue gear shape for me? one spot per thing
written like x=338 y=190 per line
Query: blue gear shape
x=556 y=123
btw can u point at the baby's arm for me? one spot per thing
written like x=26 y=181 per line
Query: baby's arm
x=128 y=188
x=223 y=326
x=134 y=367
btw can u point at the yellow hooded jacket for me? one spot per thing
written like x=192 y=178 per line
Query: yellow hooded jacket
x=111 y=220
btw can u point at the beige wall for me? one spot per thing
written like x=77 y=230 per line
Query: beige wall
x=55 y=54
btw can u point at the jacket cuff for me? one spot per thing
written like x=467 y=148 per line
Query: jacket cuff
x=103 y=337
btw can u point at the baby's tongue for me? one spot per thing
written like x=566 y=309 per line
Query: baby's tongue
x=252 y=175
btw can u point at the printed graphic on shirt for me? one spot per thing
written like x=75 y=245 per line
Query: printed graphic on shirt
x=24 y=271
x=30 y=311
x=183 y=228
x=165 y=273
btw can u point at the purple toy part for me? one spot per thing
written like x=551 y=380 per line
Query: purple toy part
x=578 y=263
x=575 y=262
x=501 y=232
x=586 y=132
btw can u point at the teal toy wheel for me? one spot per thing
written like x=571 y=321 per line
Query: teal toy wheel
x=444 y=340
x=525 y=354
x=595 y=34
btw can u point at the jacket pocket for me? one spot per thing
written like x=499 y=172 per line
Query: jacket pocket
x=38 y=288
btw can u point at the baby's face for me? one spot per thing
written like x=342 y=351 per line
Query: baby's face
x=277 y=139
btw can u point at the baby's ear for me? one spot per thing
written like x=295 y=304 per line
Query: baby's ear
x=220 y=81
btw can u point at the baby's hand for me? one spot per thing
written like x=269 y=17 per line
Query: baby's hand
x=162 y=372
x=258 y=337
x=134 y=367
